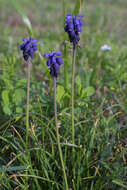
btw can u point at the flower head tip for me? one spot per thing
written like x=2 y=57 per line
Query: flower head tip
x=54 y=62
x=28 y=47
x=73 y=26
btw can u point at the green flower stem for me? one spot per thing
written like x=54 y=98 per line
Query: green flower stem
x=72 y=106
x=27 y=103
x=72 y=93
x=57 y=134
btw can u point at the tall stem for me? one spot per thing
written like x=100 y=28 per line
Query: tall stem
x=72 y=93
x=57 y=134
x=72 y=105
x=27 y=103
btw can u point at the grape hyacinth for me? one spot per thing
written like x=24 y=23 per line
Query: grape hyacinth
x=73 y=27
x=54 y=62
x=28 y=47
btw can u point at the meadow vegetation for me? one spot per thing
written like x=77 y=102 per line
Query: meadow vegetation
x=99 y=155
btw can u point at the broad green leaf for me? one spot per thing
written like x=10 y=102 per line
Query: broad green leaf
x=5 y=97
x=89 y=91
x=19 y=110
x=7 y=82
x=7 y=109
x=21 y=82
x=17 y=118
x=6 y=102
x=60 y=93
x=18 y=96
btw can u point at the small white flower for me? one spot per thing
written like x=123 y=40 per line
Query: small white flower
x=106 y=48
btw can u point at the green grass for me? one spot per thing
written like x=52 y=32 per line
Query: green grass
x=100 y=146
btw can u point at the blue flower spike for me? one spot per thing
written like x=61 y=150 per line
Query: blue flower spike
x=54 y=62
x=28 y=47
x=73 y=26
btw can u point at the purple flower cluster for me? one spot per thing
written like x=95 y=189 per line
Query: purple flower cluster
x=73 y=27
x=28 y=47
x=54 y=62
